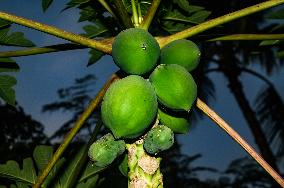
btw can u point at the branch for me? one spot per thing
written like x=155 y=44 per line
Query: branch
x=134 y=13
x=218 y=21
x=230 y=131
x=249 y=37
x=150 y=14
x=57 y=32
x=42 y=50
x=69 y=137
x=49 y=49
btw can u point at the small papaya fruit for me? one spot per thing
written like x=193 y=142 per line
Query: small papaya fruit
x=182 y=52
x=179 y=123
x=135 y=51
x=105 y=150
x=129 y=107
x=174 y=86
x=158 y=139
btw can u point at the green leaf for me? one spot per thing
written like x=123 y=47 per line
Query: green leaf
x=7 y=93
x=184 y=4
x=42 y=154
x=4 y=23
x=95 y=56
x=90 y=171
x=26 y=175
x=94 y=30
x=195 y=18
x=87 y=13
x=280 y=54
x=89 y=183
x=45 y=4
x=269 y=42
x=199 y=16
x=8 y=65
x=279 y=14
x=14 y=39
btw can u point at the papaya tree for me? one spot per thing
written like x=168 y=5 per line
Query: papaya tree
x=149 y=99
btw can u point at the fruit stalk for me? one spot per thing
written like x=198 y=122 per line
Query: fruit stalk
x=144 y=170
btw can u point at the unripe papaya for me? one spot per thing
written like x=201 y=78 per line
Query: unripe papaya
x=182 y=52
x=105 y=150
x=135 y=51
x=174 y=86
x=179 y=123
x=158 y=139
x=129 y=107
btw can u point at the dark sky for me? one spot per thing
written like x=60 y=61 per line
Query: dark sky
x=42 y=75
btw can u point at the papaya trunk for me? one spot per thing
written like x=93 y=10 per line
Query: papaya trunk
x=144 y=170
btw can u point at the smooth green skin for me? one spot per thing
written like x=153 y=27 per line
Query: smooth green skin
x=135 y=51
x=105 y=150
x=129 y=107
x=182 y=52
x=158 y=139
x=174 y=86
x=177 y=124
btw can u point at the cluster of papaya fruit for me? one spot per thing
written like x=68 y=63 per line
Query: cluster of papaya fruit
x=158 y=85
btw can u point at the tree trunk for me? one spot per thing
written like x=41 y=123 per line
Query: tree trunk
x=231 y=71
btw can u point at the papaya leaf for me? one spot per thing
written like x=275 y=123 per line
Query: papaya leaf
x=45 y=4
x=184 y=4
x=279 y=14
x=89 y=183
x=14 y=39
x=95 y=56
x=42 y=154
x=90 y=171
x=87 y=13
x=8 y=65
x=4 y=23
x=7 y=93
x=26 y=175
x=94 y=30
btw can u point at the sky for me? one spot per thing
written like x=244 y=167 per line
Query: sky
x=42 y=75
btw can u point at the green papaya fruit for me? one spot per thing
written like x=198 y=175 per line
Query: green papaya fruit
x=174 y=86
x=129 y=107
x=135 y=51
x=179 y=123
x=158 y=139
x=182 y=52
x=105 y=150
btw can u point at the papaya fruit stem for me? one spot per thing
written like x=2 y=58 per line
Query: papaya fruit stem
x=144 y=170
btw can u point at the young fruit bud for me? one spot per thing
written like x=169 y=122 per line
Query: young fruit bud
x=105 y=150
x=129 y=107
x=135 y=51
x=182 y=52
x=174 y=86
x=179 y=123
x=158 y=139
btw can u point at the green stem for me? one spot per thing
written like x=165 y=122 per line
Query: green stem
x=250 y=37
x=134 y=13
x=42 y=50
x=144 y=170
x=107 y=7
x=57 y=32
x=150 y=14
x=218 y=21
x=123 y=13
x=69 y=137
